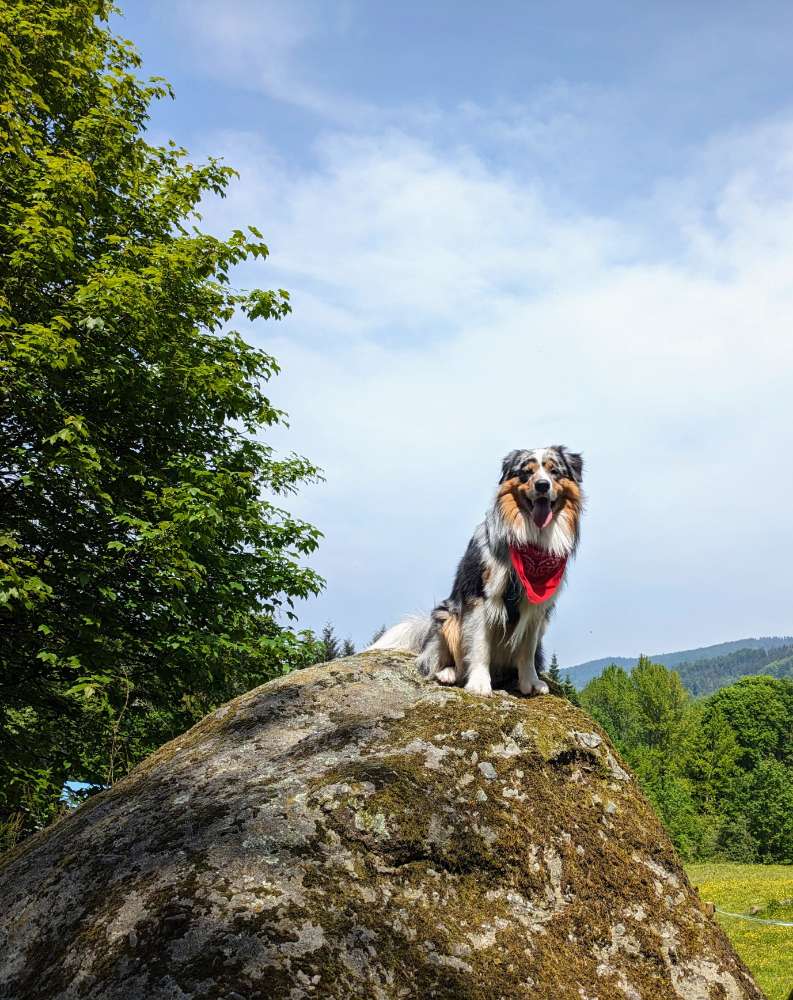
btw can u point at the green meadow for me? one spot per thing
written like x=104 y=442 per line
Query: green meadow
x=739 y=888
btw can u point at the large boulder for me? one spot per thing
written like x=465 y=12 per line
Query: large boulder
x=353 y=831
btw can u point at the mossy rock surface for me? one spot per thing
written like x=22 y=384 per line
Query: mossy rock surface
x=351 y=831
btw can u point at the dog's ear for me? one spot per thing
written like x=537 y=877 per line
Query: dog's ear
x=573 y=462
x=509 y=465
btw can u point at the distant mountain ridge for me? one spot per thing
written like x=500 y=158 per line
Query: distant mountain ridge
x=705 y=676
x=686 y=659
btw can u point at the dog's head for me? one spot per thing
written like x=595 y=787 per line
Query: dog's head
x=542 y=482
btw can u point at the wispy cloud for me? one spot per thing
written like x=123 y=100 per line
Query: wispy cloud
x=451 y=304
x=257 y=45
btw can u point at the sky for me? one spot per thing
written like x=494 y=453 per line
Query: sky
x=516 y=225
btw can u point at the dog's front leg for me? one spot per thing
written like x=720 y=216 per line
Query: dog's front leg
x=528 y=680
x=475 y=642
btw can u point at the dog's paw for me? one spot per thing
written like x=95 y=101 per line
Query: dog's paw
x=446 y=676
x=479 y=685
x=534 y=687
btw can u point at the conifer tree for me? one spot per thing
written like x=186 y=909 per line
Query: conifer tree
x=330 y=648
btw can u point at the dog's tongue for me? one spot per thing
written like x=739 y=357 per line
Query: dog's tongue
x=542 y=513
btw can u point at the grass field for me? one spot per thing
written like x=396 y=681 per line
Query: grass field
x=767 y=950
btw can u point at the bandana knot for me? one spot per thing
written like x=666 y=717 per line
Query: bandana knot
x=540 y=572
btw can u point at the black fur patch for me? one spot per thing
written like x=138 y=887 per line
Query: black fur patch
x=511 y=465
x=513 y=594
x=468 y=581
x=572 y=461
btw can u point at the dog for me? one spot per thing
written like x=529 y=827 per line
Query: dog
x=507 y=582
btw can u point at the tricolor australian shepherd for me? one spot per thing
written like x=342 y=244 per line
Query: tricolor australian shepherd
x=507 y=581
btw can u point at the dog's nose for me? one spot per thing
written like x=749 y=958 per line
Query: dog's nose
x=542 y=485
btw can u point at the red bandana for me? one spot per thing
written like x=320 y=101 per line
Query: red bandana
x=539 y=571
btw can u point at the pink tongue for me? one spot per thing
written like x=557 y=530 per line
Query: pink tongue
x=542 y=513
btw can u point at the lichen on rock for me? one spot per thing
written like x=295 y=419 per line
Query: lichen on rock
x=351 y=831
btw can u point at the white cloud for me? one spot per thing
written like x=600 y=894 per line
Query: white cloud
x=443 y=314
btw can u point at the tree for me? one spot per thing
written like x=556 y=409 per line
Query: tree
x=742 y=759
x=718 y=771
x=709 y=758
x=643 y=712
x=769 y=811
x=611 y=700
x=661 y=702
x=569 y=691
x=671 y=794
x=759 y=711
x=377 y=634
x=734 y=841
x=143 y=576
x=329 y=645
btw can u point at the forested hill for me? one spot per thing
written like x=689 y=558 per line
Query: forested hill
x=707 y=676
x=726 y=662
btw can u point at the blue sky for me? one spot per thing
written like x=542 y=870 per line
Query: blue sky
x=516 y=225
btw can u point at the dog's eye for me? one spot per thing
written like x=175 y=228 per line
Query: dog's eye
x=523 y=476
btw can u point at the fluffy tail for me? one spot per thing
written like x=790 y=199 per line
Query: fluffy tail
x=408 y=635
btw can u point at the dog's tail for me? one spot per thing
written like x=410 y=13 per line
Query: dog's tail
x=409 y=635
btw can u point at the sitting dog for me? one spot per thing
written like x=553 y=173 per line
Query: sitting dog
x=507 y=582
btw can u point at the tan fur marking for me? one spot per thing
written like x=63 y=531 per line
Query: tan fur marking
x=573 y=502
x=508 y=502
x=450 y=630
x=508 y=486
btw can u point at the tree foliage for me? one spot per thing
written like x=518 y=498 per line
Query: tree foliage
x=329 y=647
x=661 y=702
x=611 y=700
x=719 y=771
x=145 y=561
x=706 y=676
